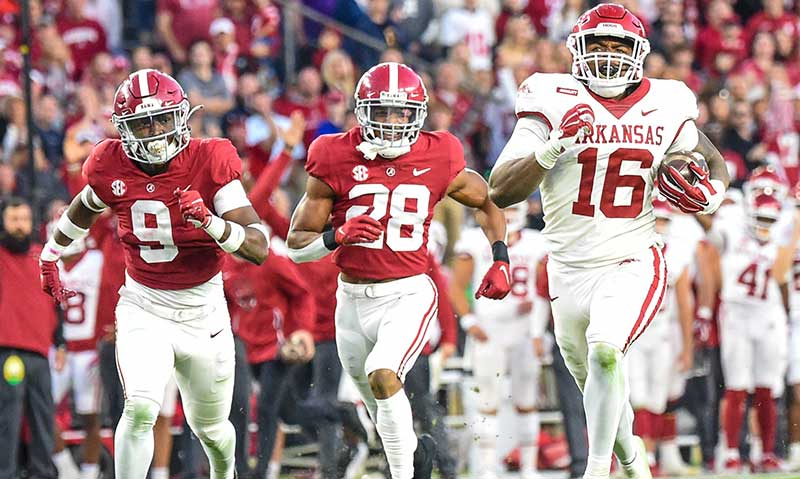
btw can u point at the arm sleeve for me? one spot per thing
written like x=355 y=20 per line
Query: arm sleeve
x=225 y=164
x=686 y=139
x=317 y=164
x=529 y=133
x=457 y=161
x=230 y=197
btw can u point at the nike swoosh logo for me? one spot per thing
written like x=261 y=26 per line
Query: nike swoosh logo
x=553 y=299
x=645 y=113
x=417 y=172
x=215 y=334
x=505 y=271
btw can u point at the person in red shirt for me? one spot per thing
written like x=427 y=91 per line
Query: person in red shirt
x=380 y=182
x=180 y=23
x=306 y=96
x=84 y=37
x=274 y=310
x=28 y=324
x=772 y=19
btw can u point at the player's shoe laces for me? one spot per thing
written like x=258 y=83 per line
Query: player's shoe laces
x=423 y=457
x=638 y=468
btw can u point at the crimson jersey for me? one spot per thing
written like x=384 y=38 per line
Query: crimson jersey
x=399 y=193
x=161 y=251
x=324 y=274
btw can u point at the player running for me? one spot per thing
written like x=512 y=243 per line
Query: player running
x=593 y=142
x=181 y=207
x=380 y=182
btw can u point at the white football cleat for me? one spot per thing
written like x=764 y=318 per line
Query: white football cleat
x=671 y=462
x=639 y=467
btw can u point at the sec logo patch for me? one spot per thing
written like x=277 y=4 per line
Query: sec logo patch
x=360 y=173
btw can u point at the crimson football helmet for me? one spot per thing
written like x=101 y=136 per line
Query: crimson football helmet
x=391 y=105
x=763 y=211
x=608 y=73
x=768 y=180
x=147 y=98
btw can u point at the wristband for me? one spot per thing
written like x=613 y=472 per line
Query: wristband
x=70 y=229
x=52 y=251
x=329 y=239
x=216 y=227
x=467 y=321
x=500 y=251
x=704 y=313
x=235 y=239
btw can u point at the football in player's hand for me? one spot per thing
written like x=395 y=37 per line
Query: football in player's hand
x=680 y=160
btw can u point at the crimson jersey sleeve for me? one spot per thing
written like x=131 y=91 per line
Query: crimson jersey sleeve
x=319 y=164
x=94 y=169
x=456 y=156
x=224 y=165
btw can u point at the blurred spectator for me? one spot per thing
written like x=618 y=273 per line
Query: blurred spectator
x=305 y=96
x=84 y=37
x=475 y=27
x=8 y=181
x=55 y=62
x=226 y=50
x=711 y=39
x=29 y=329
x=263 y=125
x=680 y=67
x=517 y=47
x=772 y=19
x=205 y=86
x=103 y=76
x=448 y=91
x=92 y=126
x=411 y=19
x=180 y=23
x=240 y=13
x=109 y=14
x=338 y=73
x=329 y=40
x=141 y=57
x=49 y=122
x=562 y=18
x=394 y=55
x=337 y=106
x=266 y=44
x=374 y=21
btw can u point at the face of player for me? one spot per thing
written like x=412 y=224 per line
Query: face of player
x=392 y=115
x=17 y=228
x=763 y=227
x=150 y=126
x=608 y=67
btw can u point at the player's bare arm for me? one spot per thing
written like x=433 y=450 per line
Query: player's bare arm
x=515 y=180
x=305 y=239
x=255 y=246
x=717 y=169
x=463 y=268
x=470 y=189
x=786 y=252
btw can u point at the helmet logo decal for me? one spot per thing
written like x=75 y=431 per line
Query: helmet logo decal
x=141 y=78
x=118 y=187
x=360 y=173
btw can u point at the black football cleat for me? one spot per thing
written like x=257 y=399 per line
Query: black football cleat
x=423 y=457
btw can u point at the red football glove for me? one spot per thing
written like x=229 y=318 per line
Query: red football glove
x=359 y=229
x=496 y=282
x=51 y=282
x=704 y=197
x=578 y=120
x=193 y=209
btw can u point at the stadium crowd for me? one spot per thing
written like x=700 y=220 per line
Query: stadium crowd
x=742 y=60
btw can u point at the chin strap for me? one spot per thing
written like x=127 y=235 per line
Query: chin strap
x=370 y=151
x=608 y=91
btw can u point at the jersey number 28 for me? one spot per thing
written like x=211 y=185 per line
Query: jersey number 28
x=394 y=202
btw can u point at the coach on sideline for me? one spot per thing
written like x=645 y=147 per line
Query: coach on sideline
x=28 y=324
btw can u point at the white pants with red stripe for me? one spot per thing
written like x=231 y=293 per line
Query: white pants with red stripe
x=383 y=325
x=81 y=375
x=611 y=304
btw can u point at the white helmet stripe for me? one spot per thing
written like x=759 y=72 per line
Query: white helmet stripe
x=141 y=77
x=393 y=77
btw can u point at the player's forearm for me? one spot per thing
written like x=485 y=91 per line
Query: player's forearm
x=73 y=225
x=515 y=180
x=458 y=298
x=305 y=246
x=255 y=246
x=717 y=170
x=495 y=225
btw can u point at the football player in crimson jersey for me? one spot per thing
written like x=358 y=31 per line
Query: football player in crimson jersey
x=380 y=182
x=180 y=207
x=593 y=142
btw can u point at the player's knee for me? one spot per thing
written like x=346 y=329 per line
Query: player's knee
x=215 y=434
x=384 y=383
x=140 y=414
x=605 y=357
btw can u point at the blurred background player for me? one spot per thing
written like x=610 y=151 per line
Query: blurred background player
x=501 y=338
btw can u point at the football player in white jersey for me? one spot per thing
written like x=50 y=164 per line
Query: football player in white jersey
x=80 y=270
x=654 y=361
x=593 y=142
x=755 y=259
x=501 y=337
x=793 y=374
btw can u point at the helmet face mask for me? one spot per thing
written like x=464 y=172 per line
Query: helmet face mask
x=151 y=113
x=608 y=47
x=391 y=105
x=764 y=212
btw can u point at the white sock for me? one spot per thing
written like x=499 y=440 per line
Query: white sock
x=529 y=441
x=273 y=470
x=65 y=464
x=133 y=440
x=651 y=459
x=624 y=445
x=794 y=452
x=486 y=432
x=604 y=402
x=396 y=428
x=756 y=450
x=90 y=471
x=159 y=473
x=219 y=444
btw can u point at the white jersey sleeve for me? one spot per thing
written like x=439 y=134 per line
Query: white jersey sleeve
x=528 y=134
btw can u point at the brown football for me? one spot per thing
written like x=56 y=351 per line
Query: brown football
x=680 y=160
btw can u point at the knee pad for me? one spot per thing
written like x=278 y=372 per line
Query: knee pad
x=605 y=358
x=140 y=413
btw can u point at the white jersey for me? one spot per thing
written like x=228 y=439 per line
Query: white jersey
x=81 y=314
x=746 y=264
x=524 y=256
x=596 y=199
